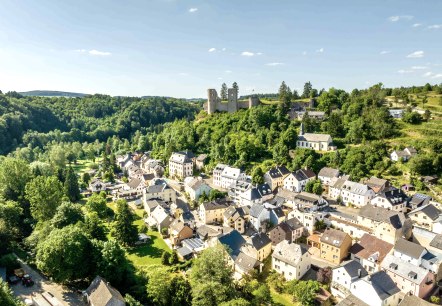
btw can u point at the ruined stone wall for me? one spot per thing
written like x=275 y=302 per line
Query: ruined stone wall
x=232 y=105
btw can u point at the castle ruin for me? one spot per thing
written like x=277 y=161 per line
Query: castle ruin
x=214 y=103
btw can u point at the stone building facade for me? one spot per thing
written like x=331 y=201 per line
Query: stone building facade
x=232 y=105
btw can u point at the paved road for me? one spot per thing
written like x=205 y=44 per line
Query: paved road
x=64 y=295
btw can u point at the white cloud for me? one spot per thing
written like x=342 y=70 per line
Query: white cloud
x=402 y=17
x=220 y=78
x=384 y=52
x=99 y=53
x=435 y=26
x=193 y=10
x=432 y=75
x=93 y=52
x=223 y=49
x=212 y=49
x=274 y=64
x=416 y=54
x=259 y=53
x=402 y=71
x=427 y=74
x=437 y=76
x=320 y=50
x=304 y=53
x=247 y=53
x=228 y=71
x=183 y=73
x=419 y=67
x=416 y=25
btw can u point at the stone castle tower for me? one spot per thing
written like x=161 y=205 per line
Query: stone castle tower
x=214 y=103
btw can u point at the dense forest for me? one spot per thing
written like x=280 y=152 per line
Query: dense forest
x=36 y=121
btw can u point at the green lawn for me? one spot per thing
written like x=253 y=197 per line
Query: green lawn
x=84 y=165
x=149 y=254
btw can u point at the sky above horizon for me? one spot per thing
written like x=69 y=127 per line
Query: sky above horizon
x=180 y=48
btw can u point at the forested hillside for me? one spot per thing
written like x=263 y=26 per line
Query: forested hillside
x=35 y=121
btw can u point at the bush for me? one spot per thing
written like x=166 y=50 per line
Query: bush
x=10 y=262
x=435 y=299
x=165 y=258
x=143 y=229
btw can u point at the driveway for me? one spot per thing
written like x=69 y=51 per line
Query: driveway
x=42 y=284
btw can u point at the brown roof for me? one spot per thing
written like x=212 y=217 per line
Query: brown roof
x=333 y=237
x=369 y=245
x=101 y=293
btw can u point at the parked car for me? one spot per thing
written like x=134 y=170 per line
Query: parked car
x=27 y=280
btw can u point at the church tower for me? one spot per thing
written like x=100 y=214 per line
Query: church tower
x=301 y=129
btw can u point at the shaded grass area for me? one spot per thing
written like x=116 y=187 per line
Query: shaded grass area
x=84 y=165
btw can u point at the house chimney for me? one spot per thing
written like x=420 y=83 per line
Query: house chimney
x=359 y=273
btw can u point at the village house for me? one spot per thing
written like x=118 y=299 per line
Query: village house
x=385 y=224
x=206 y=232
x=418 y=200
x=392 y=199
x=291 y=260
x=160 y=190
x=370 y=251
x=412 y=300
x=178 y=231
x=258 y=246
x=317 y=142
x=160 y=218
x=135 y=185
x=334 y=245
x=123 y=159
x=238 y=188
x=427 y=217
x=181 y=164
x=326 y=175
x=225 y=176
x=237 y=218
x=309 y=201
x=100 y=292
x=195 y=187
x=378 y=289
x=255 y=195
x=307 y=218
x=356 y=194
x=403 y=155
x=275 y=177
x=200 y=161
x=97 y=185
x=190 y=248
x=263 y=215
x=334 y=190
x=297 y=180
x=348 y=223
x=153 y=166
x=408 y=277
x=377 y=184
x=344 y=276
x=213 y=211
x=150 y=205
x=288 y=230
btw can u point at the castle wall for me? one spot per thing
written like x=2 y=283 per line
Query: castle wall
x=232 y=105
x=232 y=100
x=243 y=104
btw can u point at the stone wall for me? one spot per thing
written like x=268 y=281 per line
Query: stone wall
x=232 y=105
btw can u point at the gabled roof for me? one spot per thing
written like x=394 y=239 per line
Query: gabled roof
x=183 y=157
x=394 y=196
x=429 y=210
x=234 y=241
x=376 y=182
x=339 y=182
x=234 y=212
x=382 y=284
x=355 y=188
x=371 y=247
x=333 y=237
x=436 y=242
x=353 y=268
x=100 y=292
x=405 y=269
x=419 y=199
x=177 y=225
x=328 y=172
x=153 y=203
x=246 y=263
x=214 y=205
x=412 y=300
x=314 y=137
x=351 y=300
x=134 y=183
x=294 y=223
x=379 y=214
x=279 y=213
x=277 y=172
x=409 y=248
x=196 y=183
x=259 y=241
x=289 y=253
x=256 y=210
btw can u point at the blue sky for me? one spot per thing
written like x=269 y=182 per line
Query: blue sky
x=182 y=47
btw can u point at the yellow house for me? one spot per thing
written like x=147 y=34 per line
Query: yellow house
x=334 y=245
x=213 y=212
x=259 y=247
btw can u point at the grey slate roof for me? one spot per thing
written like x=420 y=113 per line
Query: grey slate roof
x=278 y=172
x=383 y=285
x=245 y=262
x=394 y=196
x=256 y=210
x=289 y=253
x=351 y=300
x=304 y=174
x=380 y=214
x=294 y=223
x=405 y=269
x=353 y=267
x=419 y=199
x=328 y=172
x=409 y=248
x=333 y=237
x=234 y=241
x=213 y=205
x=260 y=240
x=314 y=137
x=134 y=183
x=437 y=242
x=412 y=300
x=429 y=210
